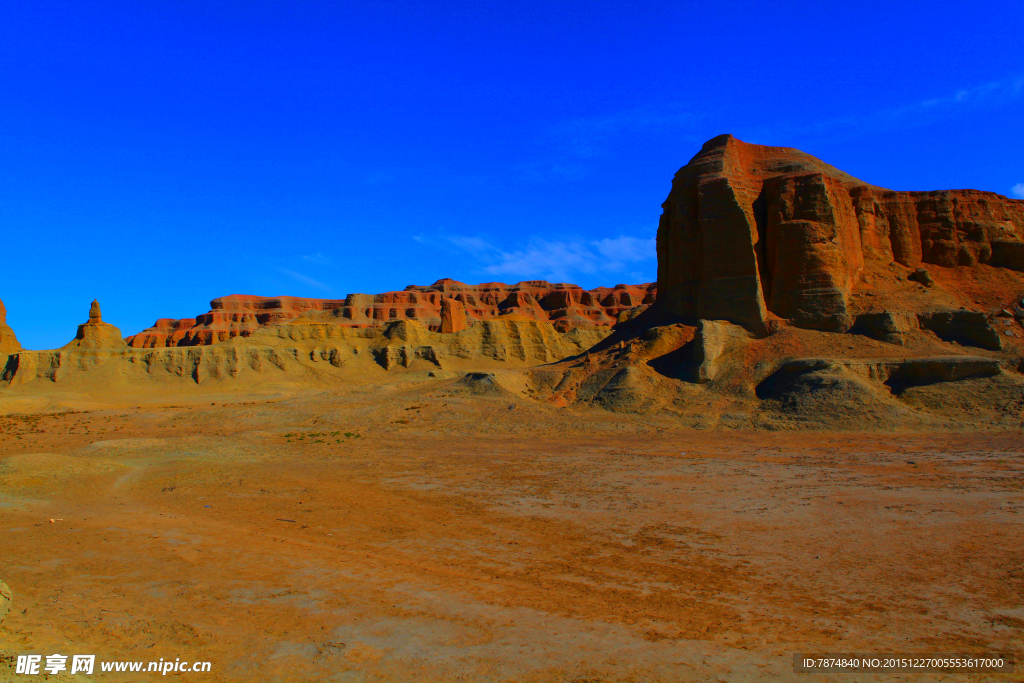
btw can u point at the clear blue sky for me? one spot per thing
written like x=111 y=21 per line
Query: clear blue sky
x=158 y=154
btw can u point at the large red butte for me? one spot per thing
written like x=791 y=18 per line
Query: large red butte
x=749 y=230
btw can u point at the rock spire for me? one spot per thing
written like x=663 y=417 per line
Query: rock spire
x=8 y=342
x=453 y=315
x=96 y=335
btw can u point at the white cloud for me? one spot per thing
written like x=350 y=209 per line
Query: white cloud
x=302 y=278
x=471 y=244
x=543 y=259
x=627 y=248
x=993 y=91
x=317 y=258
x=555 y=260
x=912 y=113
x=1018 y=190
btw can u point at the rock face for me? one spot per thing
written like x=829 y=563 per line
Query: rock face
x=566 y=306
x=887 y=326
x=711 y=340
x=1008 y=254
x=96 y=335
x=8 y=342
x=967 y=328
x=750 y=231
x=453 y=315
x=5 y=600
x=229 y=317
x=303 y=348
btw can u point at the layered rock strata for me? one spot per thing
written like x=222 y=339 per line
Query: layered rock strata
x=453 y=315
x=750 y=232
x=307 y=349
x=566 y=305
x=8 y=342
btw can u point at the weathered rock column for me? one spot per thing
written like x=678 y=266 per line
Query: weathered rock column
x=8 y=342
x=97 y=335
x=453 y=315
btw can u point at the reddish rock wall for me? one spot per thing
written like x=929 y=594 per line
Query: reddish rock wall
x=748 y=231
x=565 y=305
x=229 y=316
x=8 y=342
x=453 y=316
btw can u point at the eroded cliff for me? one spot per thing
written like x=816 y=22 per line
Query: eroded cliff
x=751 y=232
x=8 y=341
x=565 y=305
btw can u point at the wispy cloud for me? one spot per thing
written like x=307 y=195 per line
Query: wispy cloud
x=302 y=278
x=318 y=258
x=983 y=94
x=921 y=112
x=623 y=249
x=1018 y=190
x=556 y=260
x=573 y=147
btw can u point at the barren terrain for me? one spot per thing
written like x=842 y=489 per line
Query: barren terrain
x=414 y=531
x=536 y=482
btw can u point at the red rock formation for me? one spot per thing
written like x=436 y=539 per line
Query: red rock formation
x=749 y=231
x=453 y=315
x=165 y=332
x=566 y=305
x=8 y=342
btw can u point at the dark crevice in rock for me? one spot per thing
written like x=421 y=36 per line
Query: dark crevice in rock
x=760 y=211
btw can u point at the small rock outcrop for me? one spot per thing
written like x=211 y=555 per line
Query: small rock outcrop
x=96 y=335
x=967 y=328
x=923 y=276
x=711 y=341
x=8 y=342
x=886 y=326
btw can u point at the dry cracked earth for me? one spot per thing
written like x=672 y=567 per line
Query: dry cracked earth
x=409 y=532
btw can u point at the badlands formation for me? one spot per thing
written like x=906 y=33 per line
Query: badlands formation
x=804 y=439
x=790 y=294
x=565 y=306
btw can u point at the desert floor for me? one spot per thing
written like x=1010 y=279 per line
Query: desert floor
x=409 y=532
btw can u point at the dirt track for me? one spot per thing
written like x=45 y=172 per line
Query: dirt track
x=483 y=539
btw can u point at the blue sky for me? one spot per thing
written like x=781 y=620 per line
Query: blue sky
x=158 y=154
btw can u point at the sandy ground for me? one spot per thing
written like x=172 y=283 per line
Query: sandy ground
x=409 y=532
